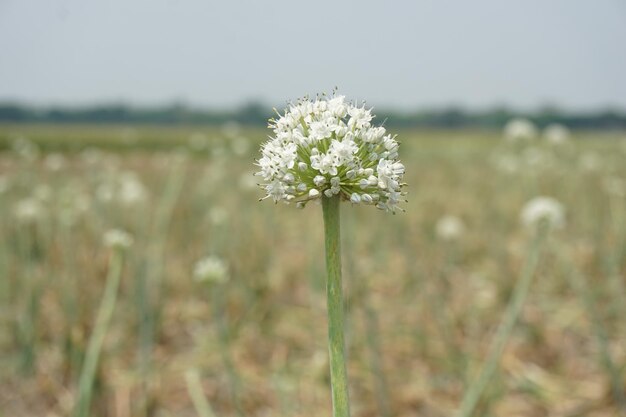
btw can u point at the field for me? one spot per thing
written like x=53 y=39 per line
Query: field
x=422 y=305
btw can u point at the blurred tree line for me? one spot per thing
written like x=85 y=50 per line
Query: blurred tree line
x=256 y=114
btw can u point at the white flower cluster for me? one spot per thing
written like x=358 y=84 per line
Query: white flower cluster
x=449 y=228
x=125 y=187
x=556 y=134
x=211 y=269
x=543 y=210
x=330 y=147
x=520 y=130
x=117 y=239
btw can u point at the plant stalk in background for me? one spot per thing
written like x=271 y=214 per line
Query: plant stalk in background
x=514 y=308
x=103 y=319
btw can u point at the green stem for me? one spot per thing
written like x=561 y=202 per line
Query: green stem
x=103 y=318
x=151 y=285
x=372 y=332
x=219 y=314
x=194 y=387
x=336 y=344
x=514 y=308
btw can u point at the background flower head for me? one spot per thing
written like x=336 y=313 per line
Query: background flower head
x=543 y=210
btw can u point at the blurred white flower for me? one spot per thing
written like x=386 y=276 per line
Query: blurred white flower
x=124 y=188
x=520 y=130
x=449 y=228
x=131 y=191
x=543 y=209
x=54 y=161
x=218 y=215
x=590 y=161
x=28 y=210
x=328 y=147
x=72 y=202
x=117 y=239
x=211 y=269
x=556 y=134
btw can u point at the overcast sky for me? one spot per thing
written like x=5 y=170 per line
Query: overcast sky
x=403 y=54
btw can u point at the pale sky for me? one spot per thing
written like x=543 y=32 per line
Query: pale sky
x=401 y=54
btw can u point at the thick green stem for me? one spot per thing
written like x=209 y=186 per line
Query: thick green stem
x=336 y=344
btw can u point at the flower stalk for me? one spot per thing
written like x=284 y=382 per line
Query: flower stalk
x=507 y=325
x=103 y=319
x=336 y=343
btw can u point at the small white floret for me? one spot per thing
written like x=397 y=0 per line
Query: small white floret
x=543 y=210
x=118 y=239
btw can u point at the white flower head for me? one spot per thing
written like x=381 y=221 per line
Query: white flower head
x=543 y=210
x=131 y=189
x=449 y=228
x=211 y=269
x=520 y=130
x=117 y=239
x=327 y=147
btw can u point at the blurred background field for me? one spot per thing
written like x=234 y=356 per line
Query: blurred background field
x=423 y=299
x=141 y=120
